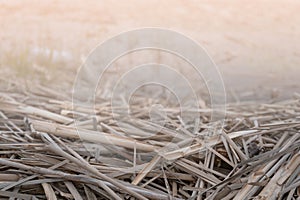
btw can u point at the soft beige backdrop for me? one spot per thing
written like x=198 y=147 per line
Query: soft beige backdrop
x=256 y=44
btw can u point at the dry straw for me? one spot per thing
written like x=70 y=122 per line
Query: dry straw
x=256 y=156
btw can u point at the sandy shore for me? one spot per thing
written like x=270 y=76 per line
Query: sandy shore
x=254 y=44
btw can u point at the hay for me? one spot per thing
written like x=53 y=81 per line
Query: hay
x=256 y=155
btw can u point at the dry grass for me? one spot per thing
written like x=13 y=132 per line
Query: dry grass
x=256 y=155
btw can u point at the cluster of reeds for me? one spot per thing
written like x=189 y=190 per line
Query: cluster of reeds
x=254 y=156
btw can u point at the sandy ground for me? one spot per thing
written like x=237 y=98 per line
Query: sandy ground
x=255 y=44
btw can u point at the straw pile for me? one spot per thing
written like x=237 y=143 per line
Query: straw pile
x=255 y=156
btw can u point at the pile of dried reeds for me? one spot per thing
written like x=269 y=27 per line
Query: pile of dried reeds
x=42 y=157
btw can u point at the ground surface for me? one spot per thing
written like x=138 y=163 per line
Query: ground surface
x=255 y=44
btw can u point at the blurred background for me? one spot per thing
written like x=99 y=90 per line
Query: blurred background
x=255 y=44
